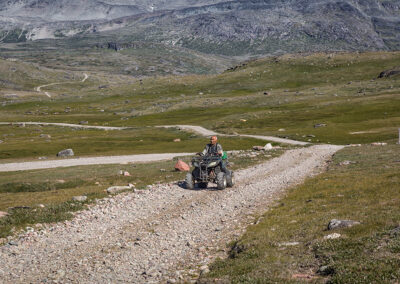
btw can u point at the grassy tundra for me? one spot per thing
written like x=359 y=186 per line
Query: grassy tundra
x=321 y=98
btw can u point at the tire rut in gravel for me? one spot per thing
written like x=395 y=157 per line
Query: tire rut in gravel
x=145 y=237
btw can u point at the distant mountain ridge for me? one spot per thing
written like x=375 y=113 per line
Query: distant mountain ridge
x=221 y=27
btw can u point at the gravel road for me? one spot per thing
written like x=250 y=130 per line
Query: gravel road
x=24 y=166
x=205 y=132
x=83 y=126
x=160 y=234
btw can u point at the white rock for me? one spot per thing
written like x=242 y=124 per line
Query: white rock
x=332 y=236
x=268 y=146
x=379 y=144
x=79 y=198
x=289 y=244
x=115 y=189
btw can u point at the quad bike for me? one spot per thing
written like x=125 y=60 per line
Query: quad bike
x=207 y=169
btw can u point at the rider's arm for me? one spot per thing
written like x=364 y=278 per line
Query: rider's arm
x=219 y=149
x=205 y=150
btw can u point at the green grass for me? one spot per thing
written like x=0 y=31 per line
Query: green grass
x=55 y=188
x=340 y=90
x=26 y=142
x=366 y=191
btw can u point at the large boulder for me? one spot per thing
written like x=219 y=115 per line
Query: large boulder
x=65 y=153
x=389 y=73
x=182 y=166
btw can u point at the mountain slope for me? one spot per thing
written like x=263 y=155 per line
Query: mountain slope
x=233 y=28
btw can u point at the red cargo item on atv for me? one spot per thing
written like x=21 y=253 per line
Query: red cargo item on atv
x=182 y=166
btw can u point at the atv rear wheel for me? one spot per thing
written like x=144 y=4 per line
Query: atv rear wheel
x=203 y=184
x=189 y=181
x=221 y=181
x=230 y=180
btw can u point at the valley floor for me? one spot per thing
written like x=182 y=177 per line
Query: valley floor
x=147 y=236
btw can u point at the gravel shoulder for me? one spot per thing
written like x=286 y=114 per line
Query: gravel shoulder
x=155 y=235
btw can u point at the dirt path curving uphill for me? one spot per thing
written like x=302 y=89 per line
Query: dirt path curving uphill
x=205 y=132
x=39 y=88
x=146 y=237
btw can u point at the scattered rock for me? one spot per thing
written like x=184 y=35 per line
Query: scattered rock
x=3 y=214
x=332 y=236
x=1 y=141
x=47 y=136
x=60 y=181
x=395 y=231
x=281 y=129
x=335 y=224
x=127 y=174
x=243 y=120
x=204 y=270
x=268 y=146
x=355 y=145
x=346 y=163
x=378 y=144
x=42 y=158
x=182 y=166
x=163 y=170
x=177 y=140
x=288 y=244
x=302 y=276
x=319 y=125
x=326 y=270
x=66 y=153
x=82 y=198
x=258 y=148
x=389 y=73
x=116 y=189
x=84 y=122
x=41 y=206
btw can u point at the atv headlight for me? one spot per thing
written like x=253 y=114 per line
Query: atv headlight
x=195 y=164
x=212 y=164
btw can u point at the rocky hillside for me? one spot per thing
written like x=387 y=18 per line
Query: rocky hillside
x=242 y=27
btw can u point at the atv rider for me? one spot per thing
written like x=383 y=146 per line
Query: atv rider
x=215 y=148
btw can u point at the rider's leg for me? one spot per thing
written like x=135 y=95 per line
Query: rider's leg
x=223 y=166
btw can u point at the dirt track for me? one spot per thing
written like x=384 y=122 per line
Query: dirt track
x=23 y=166
x=8 y=167
x=146 y=237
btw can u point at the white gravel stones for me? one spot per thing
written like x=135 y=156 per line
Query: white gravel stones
x=142 y=238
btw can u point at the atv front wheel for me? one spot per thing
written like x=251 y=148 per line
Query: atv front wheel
x=230 y=180
x=189 y=181
x=221 y=181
